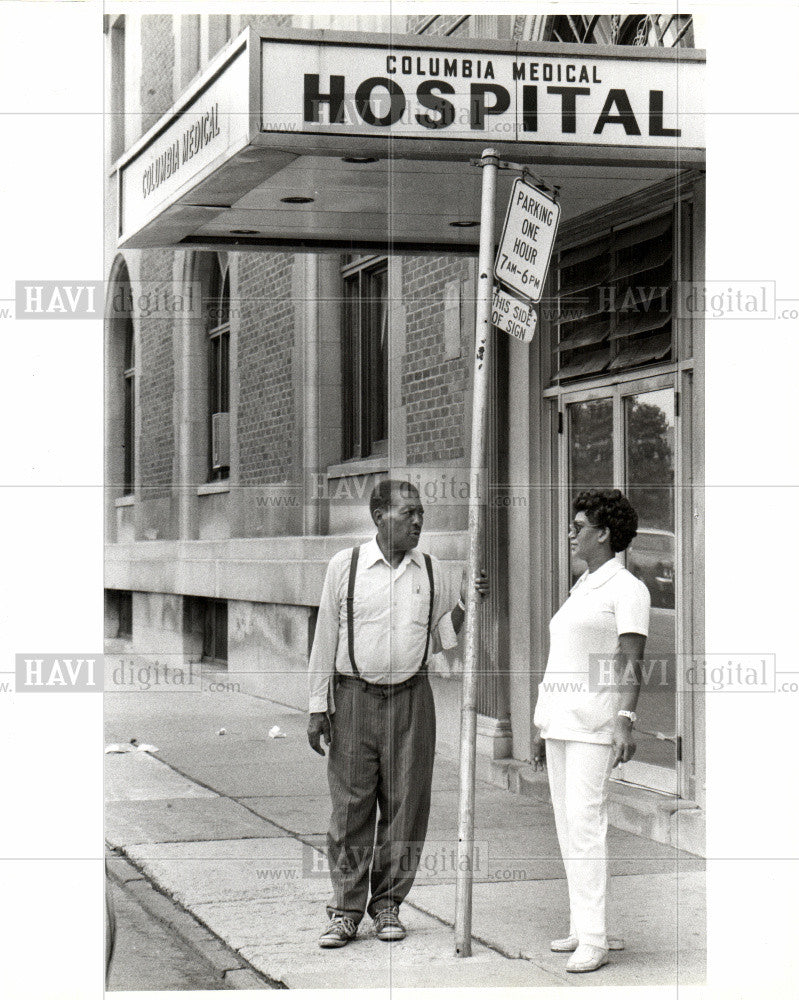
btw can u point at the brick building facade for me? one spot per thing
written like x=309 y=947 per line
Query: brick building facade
x=251 y=463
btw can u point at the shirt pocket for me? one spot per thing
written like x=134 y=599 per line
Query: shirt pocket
x=420 y=609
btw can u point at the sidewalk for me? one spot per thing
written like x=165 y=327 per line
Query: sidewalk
x=233 y=827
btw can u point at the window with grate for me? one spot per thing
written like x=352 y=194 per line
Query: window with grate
x=662 y=30
x=615 y=301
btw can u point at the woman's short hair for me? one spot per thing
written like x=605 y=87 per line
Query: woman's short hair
x=609 y=509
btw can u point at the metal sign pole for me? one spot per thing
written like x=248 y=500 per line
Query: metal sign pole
x=477 y=486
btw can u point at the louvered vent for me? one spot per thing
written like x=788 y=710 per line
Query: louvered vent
x=615 y=298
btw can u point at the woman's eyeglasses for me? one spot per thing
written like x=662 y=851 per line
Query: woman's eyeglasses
x=576 y=526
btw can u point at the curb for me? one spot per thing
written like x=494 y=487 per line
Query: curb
x=235 y=971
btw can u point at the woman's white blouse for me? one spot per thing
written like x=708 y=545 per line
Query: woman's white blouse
x=577 y=699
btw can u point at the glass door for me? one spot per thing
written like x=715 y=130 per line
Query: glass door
x=648 y=440
x=624 y=436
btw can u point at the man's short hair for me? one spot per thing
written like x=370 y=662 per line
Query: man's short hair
x=609 y=509
x=384 y=490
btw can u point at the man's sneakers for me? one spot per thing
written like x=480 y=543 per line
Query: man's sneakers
x=570 y=944
x=340 y=931
x=388 y=925
x=587 y=958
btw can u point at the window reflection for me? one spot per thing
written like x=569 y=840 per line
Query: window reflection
x=649 y=420
x=649 y=483
x=590 y=454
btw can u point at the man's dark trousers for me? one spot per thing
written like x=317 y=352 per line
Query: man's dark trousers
x=380 y=767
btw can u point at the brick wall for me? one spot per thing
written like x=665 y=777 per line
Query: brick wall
x=432 y=388
x=158 y=64
x=155 y=371
x=266 y=417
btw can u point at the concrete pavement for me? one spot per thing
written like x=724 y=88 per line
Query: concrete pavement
x=232 y=827
x=159 y=946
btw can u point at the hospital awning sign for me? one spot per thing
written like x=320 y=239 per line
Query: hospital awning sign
x=448 y=93
x=329 y=140
x=525 y=248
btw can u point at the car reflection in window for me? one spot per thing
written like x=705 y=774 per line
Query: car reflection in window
x=651 y=558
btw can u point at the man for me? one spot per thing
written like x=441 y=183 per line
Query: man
x=382 y=611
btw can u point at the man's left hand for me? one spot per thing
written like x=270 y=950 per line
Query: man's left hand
x=480 y=583
x=623 y=743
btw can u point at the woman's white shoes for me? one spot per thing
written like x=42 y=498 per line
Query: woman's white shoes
x=587 y=958
x=570 y=944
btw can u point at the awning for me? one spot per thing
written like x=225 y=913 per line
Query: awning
x=307 y=140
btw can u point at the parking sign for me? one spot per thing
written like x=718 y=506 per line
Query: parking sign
x=528 y=235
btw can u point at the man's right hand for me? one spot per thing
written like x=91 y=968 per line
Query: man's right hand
x=318 y=729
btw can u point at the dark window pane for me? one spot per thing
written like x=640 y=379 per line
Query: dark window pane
x=130 y=344
x=364 y=361
x=224 y=373
x=224 y=302
x=350 y=368
x=213 y=293
x=378 y=369
x=590 y=429
x=129 y=437
x=591 y=444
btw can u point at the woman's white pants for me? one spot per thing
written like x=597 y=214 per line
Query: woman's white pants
x=578 y=780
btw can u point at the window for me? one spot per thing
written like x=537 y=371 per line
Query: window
x=214 y=631
x=364 y=358
x=615 y=298
x=129 y=407
x=121 y=399
x=218 y=328
x=666 y=30
x=115 y=121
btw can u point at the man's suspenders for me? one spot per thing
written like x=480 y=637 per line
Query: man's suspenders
x=351 y=618
x=429 y=566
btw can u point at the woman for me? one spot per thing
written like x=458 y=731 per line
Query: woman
x=585 y=710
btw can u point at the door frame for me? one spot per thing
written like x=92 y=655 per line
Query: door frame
x=639 y=773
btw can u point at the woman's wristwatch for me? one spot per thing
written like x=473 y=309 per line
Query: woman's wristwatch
x=628 y=715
